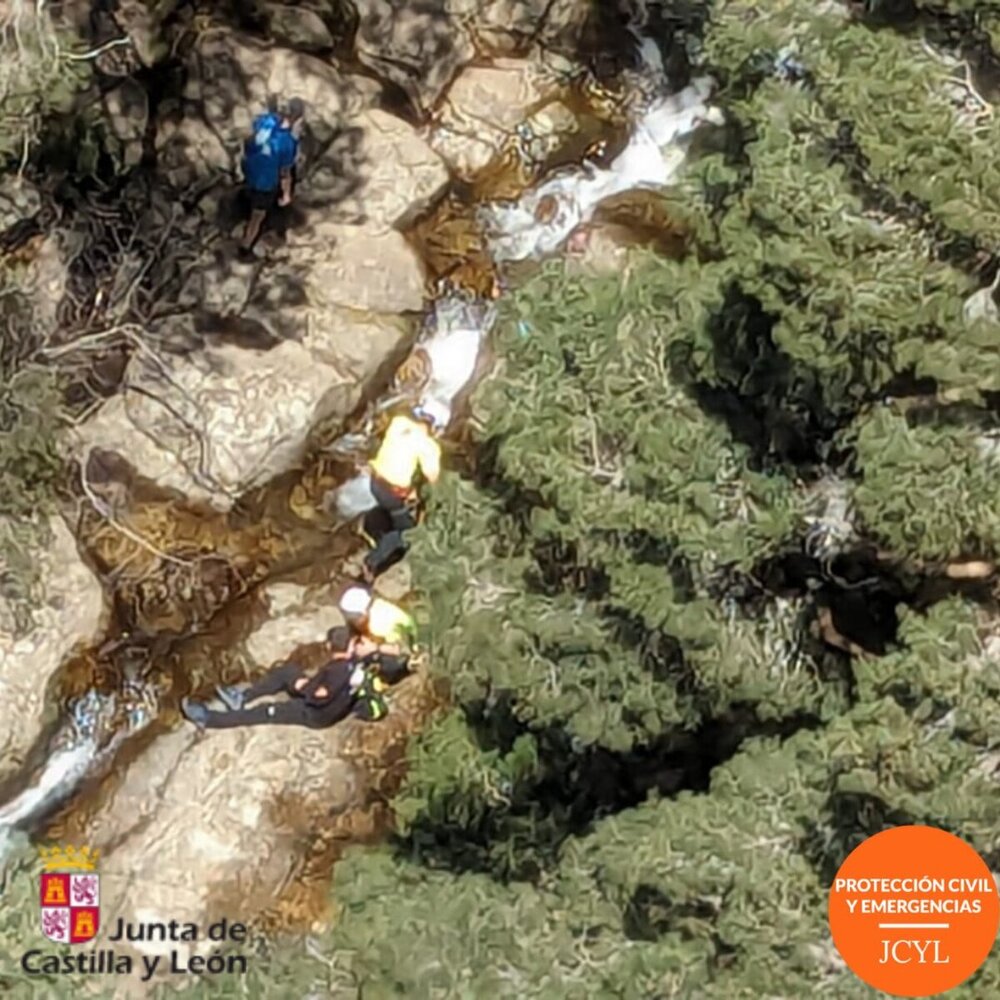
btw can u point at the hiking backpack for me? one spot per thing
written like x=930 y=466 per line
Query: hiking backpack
x=264 y=126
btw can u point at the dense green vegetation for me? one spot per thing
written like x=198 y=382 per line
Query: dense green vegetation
x=30 y=463
x=654 y=764
x=30 y=469
x=41 y=72
x=41 y=75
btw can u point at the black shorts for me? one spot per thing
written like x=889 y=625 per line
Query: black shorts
x=262 y=201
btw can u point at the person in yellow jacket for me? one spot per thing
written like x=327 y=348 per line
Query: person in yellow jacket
x=377 y=619
x=408 y=449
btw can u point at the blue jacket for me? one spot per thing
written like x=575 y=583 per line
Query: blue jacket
x=271 y=149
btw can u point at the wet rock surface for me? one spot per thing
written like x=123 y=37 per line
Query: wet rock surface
x=604 y=250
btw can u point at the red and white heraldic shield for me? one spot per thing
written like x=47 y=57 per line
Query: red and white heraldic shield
x=71 y=906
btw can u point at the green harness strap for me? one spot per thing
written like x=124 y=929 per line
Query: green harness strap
x=369 y=697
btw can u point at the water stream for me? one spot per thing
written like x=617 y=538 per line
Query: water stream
x=184 y=579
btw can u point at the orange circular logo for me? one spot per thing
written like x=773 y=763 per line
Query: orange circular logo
x=914 y=911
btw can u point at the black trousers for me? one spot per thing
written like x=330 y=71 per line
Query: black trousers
x=385 y=526
x=267 y=201
x=393 y=504
x=297 y=711
x=392 y=669
x=387 y=543
x=261 y=201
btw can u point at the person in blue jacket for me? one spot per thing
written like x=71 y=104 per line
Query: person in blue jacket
x=269 y=167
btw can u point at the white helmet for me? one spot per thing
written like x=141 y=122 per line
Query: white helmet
x=435 y=411
x=355 y=601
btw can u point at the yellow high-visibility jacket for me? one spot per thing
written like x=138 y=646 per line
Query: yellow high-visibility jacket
x=407 y=446
x=387 y=623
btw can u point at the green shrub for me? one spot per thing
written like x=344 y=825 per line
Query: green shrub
x=31 y=468
x=38 y=77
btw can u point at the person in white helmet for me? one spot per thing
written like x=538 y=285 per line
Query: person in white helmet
x=408 y=450
x=378 y=620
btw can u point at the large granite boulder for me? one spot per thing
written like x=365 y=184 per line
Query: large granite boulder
x=378 y=172
x=359 y=267
x=66 y=610
x=230 y=79
x=489 y=107
x=220 y=419
x=144 y=22
x=504 y=27
x=417 y=47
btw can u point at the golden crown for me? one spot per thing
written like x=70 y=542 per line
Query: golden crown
x=60 y=858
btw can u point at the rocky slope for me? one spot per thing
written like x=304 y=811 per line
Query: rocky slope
x=201 y=462
x=68 y=612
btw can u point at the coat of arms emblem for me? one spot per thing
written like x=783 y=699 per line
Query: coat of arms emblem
x=70 y=894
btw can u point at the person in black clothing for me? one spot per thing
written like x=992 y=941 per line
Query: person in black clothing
x=350 y=683
x=383 y=531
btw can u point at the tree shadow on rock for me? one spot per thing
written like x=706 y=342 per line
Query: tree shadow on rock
x=243 y=332
x=418 y=48
x=279 y=289
x=327 y=187
x=232 y=207
x=269 y=313
x=333 y=175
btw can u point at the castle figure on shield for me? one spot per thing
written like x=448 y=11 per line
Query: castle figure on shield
x=70 y=895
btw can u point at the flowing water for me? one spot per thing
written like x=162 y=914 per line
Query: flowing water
x=184 y=580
